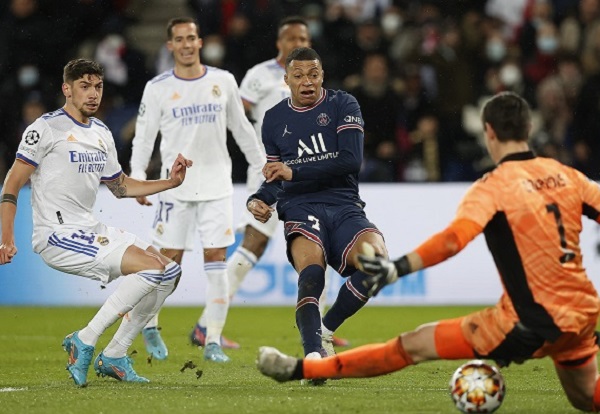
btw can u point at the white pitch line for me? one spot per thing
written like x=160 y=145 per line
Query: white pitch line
x=11 y=389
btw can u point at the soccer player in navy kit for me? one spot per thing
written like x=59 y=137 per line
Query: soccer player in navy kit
x=314 y=143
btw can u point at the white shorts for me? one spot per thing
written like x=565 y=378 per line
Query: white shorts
x=96 y=254
x=268 y=228
x=176 y=223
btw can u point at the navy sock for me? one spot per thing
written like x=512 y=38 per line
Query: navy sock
x=351 y=297
x=308 y=318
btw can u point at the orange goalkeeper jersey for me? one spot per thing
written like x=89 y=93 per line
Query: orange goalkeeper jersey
x=530 y=210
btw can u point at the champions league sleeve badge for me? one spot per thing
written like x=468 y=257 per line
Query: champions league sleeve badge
x=32 y=138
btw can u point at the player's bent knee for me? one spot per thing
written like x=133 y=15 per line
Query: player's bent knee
x=255 y=241
x=419 y=345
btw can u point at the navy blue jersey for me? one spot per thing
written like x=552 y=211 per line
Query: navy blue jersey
x=322 y=144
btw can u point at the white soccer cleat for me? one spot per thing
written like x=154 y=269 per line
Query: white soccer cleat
x=316 y=382
x=275 y=364
x=327 y=344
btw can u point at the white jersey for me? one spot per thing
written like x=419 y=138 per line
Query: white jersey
x=192 y=116
x=264 y=87
x=70 y=159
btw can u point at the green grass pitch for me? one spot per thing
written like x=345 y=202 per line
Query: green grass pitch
x=33 y=378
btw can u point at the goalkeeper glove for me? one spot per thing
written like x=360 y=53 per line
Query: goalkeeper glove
x=382 y=271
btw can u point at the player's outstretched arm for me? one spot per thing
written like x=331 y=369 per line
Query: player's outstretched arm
x=124 y=186
x=15 y=180
x=383 y=271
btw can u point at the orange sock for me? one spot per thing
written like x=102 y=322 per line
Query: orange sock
x=450 y=343
x=364 y=361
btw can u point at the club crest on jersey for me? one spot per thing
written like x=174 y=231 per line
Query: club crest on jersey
x=102 y=146
x=323 y=119
x=32 y=138
x=103 y=241
x=216 y=91
x=160 y=230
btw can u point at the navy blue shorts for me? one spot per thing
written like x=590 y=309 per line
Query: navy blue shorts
x=335 y=228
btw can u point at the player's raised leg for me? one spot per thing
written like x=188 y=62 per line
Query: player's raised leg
x=371 y=360
x=113 y=361
x=145 y=273
x=353 y=294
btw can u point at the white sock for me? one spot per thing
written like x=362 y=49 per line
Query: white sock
x=153 y=322
x=323 y=297
x=139 y=316
x=326 y=332
x=129 y=292
x=217 y=300
x=238 y=266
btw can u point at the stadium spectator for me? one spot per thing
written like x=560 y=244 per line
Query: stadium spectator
x=381 y=107
x=496 y=37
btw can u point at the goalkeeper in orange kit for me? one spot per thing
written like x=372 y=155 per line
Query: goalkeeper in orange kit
x=529 y=210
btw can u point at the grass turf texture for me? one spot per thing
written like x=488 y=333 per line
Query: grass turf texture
x=33 y=378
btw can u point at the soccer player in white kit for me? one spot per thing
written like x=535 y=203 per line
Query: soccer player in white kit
x=262 y=88
x=192 y=106
x=67 y=154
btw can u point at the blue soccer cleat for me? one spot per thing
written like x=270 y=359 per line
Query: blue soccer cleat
x=154 y=343
x=118 y=368
x=198 y=338
x=214 y=352
x=80 y=357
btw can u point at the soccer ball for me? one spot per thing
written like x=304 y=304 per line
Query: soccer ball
x=477 y=387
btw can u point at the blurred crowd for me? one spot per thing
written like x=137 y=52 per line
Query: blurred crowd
x=419 y=69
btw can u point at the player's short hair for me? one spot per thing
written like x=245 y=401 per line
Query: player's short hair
x=302 y=53
x=77 y=68
x=181 y=20
x=509 y=115
x=290 y=20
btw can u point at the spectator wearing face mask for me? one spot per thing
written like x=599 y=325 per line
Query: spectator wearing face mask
x=541 y=12
x=543 y=62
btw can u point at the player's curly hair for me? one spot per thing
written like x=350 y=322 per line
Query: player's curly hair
x=302 y=53
x=509 y=116
x=77 y=68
